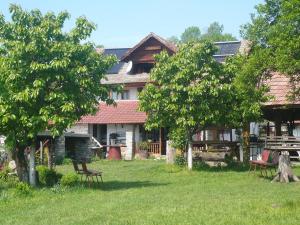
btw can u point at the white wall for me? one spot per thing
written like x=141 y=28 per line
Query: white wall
x=114 y=128
x=79 y=129
x=133 y=93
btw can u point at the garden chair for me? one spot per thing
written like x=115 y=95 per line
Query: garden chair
x=77 y=170
x=262 y=163
x=91 y=173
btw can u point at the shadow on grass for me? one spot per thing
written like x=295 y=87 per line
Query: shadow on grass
x=119 y=185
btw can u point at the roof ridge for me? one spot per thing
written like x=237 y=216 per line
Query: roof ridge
x=116 y=48
x=226 y=42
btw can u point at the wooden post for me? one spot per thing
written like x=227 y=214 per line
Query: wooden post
x=278 y=127
x=268 y=129
x=161 y=139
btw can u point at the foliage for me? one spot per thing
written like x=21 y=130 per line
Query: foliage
x=180 y=160
x=274 y=32
x=143 y=145
x=67 y=161
x=23 y=188
x=213 y=33
x=175 y=40
x=248 y=86
x=191 y=34
x=69 y=180
x=49 y=78
x=4 y=173
x=188 y=92
x=47 y=177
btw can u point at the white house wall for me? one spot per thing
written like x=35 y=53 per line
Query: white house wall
x=79 y=129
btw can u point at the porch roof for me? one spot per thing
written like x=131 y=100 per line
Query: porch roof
x=125 y=112
x=280 y=88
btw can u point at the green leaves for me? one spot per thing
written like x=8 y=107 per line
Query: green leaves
x=49 y=78
x=275 y=32
x=189 y=92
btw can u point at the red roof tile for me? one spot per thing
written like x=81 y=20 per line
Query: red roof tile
x=125 y=112
x=280 y=88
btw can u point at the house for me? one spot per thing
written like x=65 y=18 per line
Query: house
x=123 y=123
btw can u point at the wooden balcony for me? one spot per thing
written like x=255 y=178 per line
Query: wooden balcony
x=153 y=148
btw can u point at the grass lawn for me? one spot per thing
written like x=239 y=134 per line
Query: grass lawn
x=150 y=192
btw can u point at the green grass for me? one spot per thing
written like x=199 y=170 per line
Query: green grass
x=150 y=192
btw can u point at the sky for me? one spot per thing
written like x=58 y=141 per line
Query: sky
x=123 y=23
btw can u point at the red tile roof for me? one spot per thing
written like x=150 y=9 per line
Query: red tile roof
x=280 y=87
x=126 y=112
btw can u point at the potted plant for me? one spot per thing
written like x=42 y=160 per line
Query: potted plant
x=143 y=149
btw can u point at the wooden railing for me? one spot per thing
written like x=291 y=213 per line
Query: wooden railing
x=154 y=148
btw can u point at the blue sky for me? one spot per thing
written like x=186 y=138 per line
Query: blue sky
x=123 y=23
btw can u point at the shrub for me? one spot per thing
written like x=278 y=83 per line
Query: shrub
x=4 y=173
x=47 y=176
x=69 y=180
x=180 y=160
x=67 y=161
x=23 y=188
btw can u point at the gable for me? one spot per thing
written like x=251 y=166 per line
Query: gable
x=145 y=50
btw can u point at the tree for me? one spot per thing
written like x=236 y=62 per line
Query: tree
x=191 y=34
x=215 y=33
x=174 y=40
x=274 y=29
x=48 y=78
x=189 y=92
x=249 y=91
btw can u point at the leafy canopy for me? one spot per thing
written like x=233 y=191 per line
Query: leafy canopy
x=48 y=78
x=213 y=33
x=189 y=91
x=274 y=31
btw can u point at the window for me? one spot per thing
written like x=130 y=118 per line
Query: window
x=142 y=68
x=121 y=96
x=125 y=95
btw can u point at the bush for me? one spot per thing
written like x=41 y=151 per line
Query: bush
x=67 y=161
x=4 y=174
x=23 y=188
x=180 y=160
x=47 y=176
x=69 y=180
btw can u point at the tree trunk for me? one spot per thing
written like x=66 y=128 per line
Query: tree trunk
x=32 y=171
x=285 y=173
x=170 y=153
x=190 y=156
x=246 y=142
x=21 y=163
